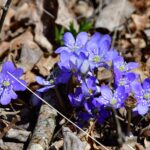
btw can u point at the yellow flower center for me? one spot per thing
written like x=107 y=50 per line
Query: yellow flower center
x=6 y=83
x=90 y=91
x=96 y=59
x=147 y=95
x=122 y=68
x=51 y=81
x=113 y=101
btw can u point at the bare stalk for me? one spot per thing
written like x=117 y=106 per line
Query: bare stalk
x=5 y=10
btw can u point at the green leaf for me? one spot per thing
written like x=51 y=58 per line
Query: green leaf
x=85 y=26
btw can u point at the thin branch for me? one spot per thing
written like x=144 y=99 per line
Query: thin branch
x=5 y=10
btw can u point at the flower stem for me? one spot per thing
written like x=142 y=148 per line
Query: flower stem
x=60 y=101
x=129 y=121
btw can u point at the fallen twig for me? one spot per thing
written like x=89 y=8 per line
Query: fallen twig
x=5 y=10
x=44 y=129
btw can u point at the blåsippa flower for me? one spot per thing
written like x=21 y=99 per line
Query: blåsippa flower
x=9 y=85
x=97 y=50
x=120 y=66
x=142 y=95
x=109 y=98
x=72 y=45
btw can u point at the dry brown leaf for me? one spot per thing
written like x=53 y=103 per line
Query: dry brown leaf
x=140 y=70
x=34 y=16
x=41 y=39
x=2 y=2
x=124 y=44
x=10 y=14
x=110 y=19
x=139 y=4
x=147 y=144
x=30 y=55
x=139 y=147
x=83 y=9
x=138 y=42
x=104 y=74
x=46 y=64
x=58 y=144
x=70 y=3
x=64 y=17
x=16 y=43
x=4 y=46
x=29 y=77
x=140 y=21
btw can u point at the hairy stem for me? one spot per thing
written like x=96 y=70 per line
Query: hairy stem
x=129 y=121
x=60 y=101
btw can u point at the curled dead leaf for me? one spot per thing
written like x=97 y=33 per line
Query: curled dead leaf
x=46 y=64
x=140 y=21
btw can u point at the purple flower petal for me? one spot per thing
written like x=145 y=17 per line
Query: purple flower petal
x=5 y=98
x=77 y=98
x=120 y=94
x=95 y=38
x=106 y=92
x=131 y=76
x=81 y=39
x=8 y=67
x=119 y=61
x=142 y=108
x=136 y=88
x=61 y=49
x=102 y=101
x=18 y=87
x=87 y=107
x=69 y=40
x=104 y=44
x=146 y=84
x=18 y=72
x=45 y=89
x=13 y=94
x=63 y=77
x=85 y=67
x=111 y=55
x=92 y=48
x=42 y=81
x=132 y=65
x=85 y=89
x=96 y=103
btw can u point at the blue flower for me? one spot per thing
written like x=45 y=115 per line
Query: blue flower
x=142 y=95
x=109 y=98
x=79 y=63
x=72 y=45
x=126 y=80
x=47 y=84
x=77 y=98
x=89 y=87
x=74 y=63
x=121 y=66
x=8 y=85
x=98 y=48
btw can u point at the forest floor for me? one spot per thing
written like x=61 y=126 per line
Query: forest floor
x=30 y=34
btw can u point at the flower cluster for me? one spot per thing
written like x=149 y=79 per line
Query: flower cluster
x=80 y=58
x=8 y=85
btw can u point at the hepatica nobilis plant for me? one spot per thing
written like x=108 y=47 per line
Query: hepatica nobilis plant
x=9 y=85
x=80 y=59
